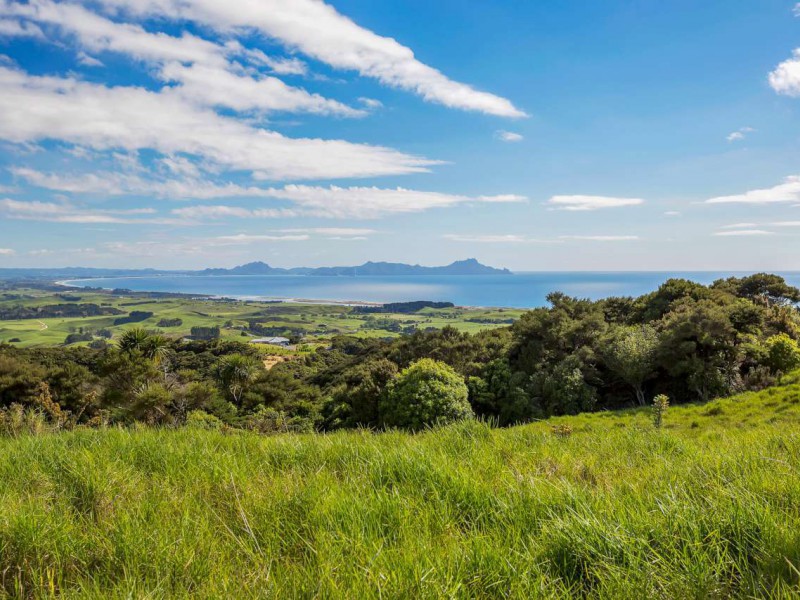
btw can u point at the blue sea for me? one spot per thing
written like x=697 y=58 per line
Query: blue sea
x=520 y=290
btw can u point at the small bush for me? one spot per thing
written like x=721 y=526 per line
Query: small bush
x=660 y=406
x=202 y=420
x=427 y=393
x=562 y=431
x=783 y=353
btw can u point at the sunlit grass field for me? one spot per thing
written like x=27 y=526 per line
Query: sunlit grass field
x=706 y=507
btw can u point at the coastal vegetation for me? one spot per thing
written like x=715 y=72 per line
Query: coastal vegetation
x=685 y=341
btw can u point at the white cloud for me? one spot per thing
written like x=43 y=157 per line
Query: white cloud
x=67 y=213
x=280 y=65
x=583 y=203
x=739 y=134
x=214 y=86
x=788 y=191
x=16 y=28
x=235 y=212
x=739 y=226
x=35 y=108
x=785 y=79
x=330 y=202
x=371 y=103
x=373 y=202
x=743 y=232
x=341 y=203
x=244 y=238
x=7 y=252
x=334 y=231
x=318 y=30
x=489 y=239
x=508 y=136
x=786 y=224
x=200 y=67
x=98 y=34
x=88 y=61
x=673 y=213
x=601 y=238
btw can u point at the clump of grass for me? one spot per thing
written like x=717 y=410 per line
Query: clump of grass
x=562 y=430
x=464 y=511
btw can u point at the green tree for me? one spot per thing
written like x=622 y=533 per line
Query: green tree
x=356 y=402
x=235 y=373
x=428 y=392
x=698 y=349
x=563 y=390
x=764 y=288
x=783 y=353
x=630 y=353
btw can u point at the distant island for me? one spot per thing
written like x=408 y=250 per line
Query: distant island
x=469 y=266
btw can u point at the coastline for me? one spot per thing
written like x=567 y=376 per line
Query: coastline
x=68 y=283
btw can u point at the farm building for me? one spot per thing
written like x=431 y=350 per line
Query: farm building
x=272 y=341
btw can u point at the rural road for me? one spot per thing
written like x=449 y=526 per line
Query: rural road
x=43 y=324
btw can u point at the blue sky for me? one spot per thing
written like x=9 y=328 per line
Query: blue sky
x=578 y=135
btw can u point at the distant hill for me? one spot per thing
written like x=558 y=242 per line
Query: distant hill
x=369 y=269
x=461 y=267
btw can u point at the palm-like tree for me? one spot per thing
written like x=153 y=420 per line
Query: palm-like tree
x=134 y=340
x=152 y=346
x=235 y=372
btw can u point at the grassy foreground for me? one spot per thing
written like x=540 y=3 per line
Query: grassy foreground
x=707 y=507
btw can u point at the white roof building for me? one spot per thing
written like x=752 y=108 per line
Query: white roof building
x=272 y=341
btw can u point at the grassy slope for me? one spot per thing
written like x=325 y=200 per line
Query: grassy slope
x=707 y=507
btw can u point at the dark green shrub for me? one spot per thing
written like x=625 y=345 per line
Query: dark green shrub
x=427 y=393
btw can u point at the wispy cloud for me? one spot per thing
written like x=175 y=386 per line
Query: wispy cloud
x=486 y=239
x=601 y=238
x=17 y=28
x=739 y=134
x=333 y=231
x=34 y=109
x=344 y=203
x=508 y=136
x=743 y=233
x=788 y=191
x=584 y=203
x=317 y=30
x=7 y=252
x=740 y=226
x=243 y=238
x=67 y=213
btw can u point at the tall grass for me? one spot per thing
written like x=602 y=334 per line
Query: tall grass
x=708 y=506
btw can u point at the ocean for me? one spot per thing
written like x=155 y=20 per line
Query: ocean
x=520 y=290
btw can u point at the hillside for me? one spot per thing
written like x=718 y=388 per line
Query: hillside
x=706 y=507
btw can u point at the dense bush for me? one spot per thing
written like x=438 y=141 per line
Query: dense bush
x=427 y=393
x=170 y=322
x=135 y=316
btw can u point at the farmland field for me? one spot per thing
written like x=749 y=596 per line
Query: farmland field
x=311 y=322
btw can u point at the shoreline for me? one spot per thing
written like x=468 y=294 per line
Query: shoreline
x=271 y=299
